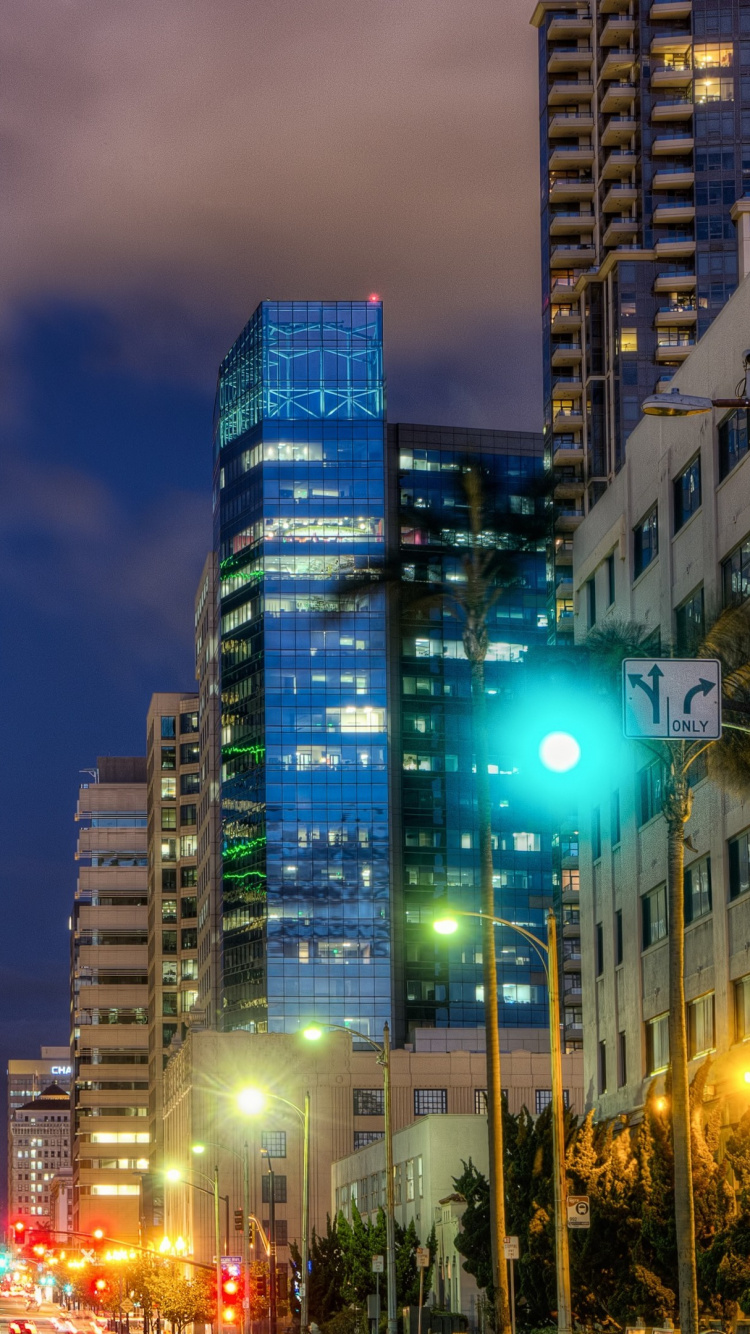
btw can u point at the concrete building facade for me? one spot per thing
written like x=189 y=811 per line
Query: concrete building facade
x=25 y=1080
x=39 y=1147
x=109 y=999
x=668 y=546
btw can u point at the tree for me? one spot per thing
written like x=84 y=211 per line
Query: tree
x=326 y=1275
x=182 y=1301
x=728 y=762
x=354 y=1241
x=473 y=1241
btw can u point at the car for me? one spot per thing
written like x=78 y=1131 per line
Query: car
x=62 y=1325
x=21 y=1327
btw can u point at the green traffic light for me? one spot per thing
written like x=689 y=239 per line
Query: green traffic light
x=559 y=752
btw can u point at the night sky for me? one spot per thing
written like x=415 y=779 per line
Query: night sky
x=166 y=165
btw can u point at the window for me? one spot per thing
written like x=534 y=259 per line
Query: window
x=169 y=942
x=742 y=1008
x=739 y=879
x=368 y=1102
x=168 y=788
x=189 y=970
x=657 y=1044
x=735 y=575
x=189 y=784
x=700 y=1025
x=169 y=880
x=167 y=1033
x=188 y=723
x=622 y=1053
x=189 y=938
x=168 y=757
x=602 y=1067
x=596 y=833
x=610 y=578
x=698 y=890
x=614 y=818
x=480 y=1102
x=169 y=849
x=168 y=728
x=687 y=493
x=364 y=1137
x=599 y=949
x=650 y=786
x=409 y=1179
x=591 y=601
x=281 y=1227
x=169 y=910
x=188 y=906
x=188 y=814
x=689 y=621
x=733 y=441
x=188 y=845
x=628 y=339
x=190 y=753
x=274 y=1142
x=646 y=541
x=618 y=936
x=542 y=1099
x=169 y=1002
x=169 y=817
x=188 y=877
x=654 y=911
x=427 y=1102
x=169 y=974
x=279 y=1188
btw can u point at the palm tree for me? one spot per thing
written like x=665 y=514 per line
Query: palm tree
x=474 y=557
x=728 y=765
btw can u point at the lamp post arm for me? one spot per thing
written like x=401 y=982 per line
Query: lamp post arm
x=537 y=944
x=344 y=1028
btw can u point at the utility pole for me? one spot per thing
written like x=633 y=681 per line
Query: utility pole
x=562 y=1249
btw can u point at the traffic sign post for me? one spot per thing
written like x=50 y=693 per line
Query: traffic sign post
x=512 y=1250
x=423 y=1262
x=677 y=699
x=579 y=1211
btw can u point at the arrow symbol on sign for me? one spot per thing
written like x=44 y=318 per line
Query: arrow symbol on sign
x=636 y=680
x=704 y=688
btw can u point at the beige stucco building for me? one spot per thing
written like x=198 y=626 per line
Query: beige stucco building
x=668 y=545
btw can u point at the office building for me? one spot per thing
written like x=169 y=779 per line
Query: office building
x=173 y=791
x=38 y=1148
x=209 y=1001
x=300 y=506
x=668 y=546
x=27 y=1078
x=109 y=999
x=438 y=1073
x=645 y=147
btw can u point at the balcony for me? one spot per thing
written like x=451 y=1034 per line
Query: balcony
x=565 y=59
x=675 y=178
x=561 y=289
x=677 y=142
x=564 y=224
x=618 y=196
x=617 y=31
x=618 y=130
x=618 y=63
x=567 y=386
x=567 y=322
x=563 y=552
x=572 y=256
x=567 y=419
x=675 y=282
x=565 y=123
x=565 y=26
x=621 y=231
x=675 y=75
x=675 y=314
x=618 y=97
x=674 y=351
x=613 y=6
x=683 y=212
x=571 y=155
x=570 y=188
x=677 y=247
x=566 y=354
x=672 y=108
x=568 y=488
x=566 y=456
x=671 y=9
x=620 y=162
x=567 y=520
x=671 y=44
x=563 y=92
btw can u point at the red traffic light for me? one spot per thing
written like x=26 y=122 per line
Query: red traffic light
x=19 y=1227
x=101 y=1284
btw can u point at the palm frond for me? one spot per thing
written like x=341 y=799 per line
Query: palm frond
x=729 y=762
x=610 y=643
x=728 y=639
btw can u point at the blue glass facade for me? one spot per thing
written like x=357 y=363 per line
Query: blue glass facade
x=299 y=507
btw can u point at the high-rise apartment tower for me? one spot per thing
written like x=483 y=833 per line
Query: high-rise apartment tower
x=645 y=147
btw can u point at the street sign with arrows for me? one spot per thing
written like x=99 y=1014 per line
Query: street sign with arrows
x=675 y=698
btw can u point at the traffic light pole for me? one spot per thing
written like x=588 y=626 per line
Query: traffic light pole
x=246 y=1237
x=217 y=1243
x=305 y=1218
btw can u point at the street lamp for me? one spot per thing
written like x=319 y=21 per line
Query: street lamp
x=674 y=404
x=252 y=1101
x=313 y=1033
x=174 y=1174
x=547 y=952
x=244 y=1159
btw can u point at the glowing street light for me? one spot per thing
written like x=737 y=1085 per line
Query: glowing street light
x=174 y=1174
x=559 y=752
x=252 y=1101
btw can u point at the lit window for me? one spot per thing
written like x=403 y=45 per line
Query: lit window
x=700 y=1025
x=629 y=340
x=657 y=1044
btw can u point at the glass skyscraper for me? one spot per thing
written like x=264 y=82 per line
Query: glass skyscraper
x=299 y=504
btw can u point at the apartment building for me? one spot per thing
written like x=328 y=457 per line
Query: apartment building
x=38 y=1149
x=668 y=546
x=173 y=792
x=209 y=1000
x=645 y=147
x=109 y=999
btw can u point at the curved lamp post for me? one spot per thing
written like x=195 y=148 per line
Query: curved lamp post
x=252 y=1101
x=174 y=1174
x=383 y=1057
x=547 y=953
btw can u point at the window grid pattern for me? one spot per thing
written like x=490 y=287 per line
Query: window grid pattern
x=274 y=1143
x=428 y=1102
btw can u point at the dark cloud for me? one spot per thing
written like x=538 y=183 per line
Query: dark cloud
x=208 y=153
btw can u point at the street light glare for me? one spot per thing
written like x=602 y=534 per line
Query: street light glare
x=198 y=1148
x=747 y=1076
x=173 y=1174
x=445 y=926
x=312 y=1034
x=559 y=751
x=251 y=1101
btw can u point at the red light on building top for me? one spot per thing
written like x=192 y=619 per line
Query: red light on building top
x=373 y=296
